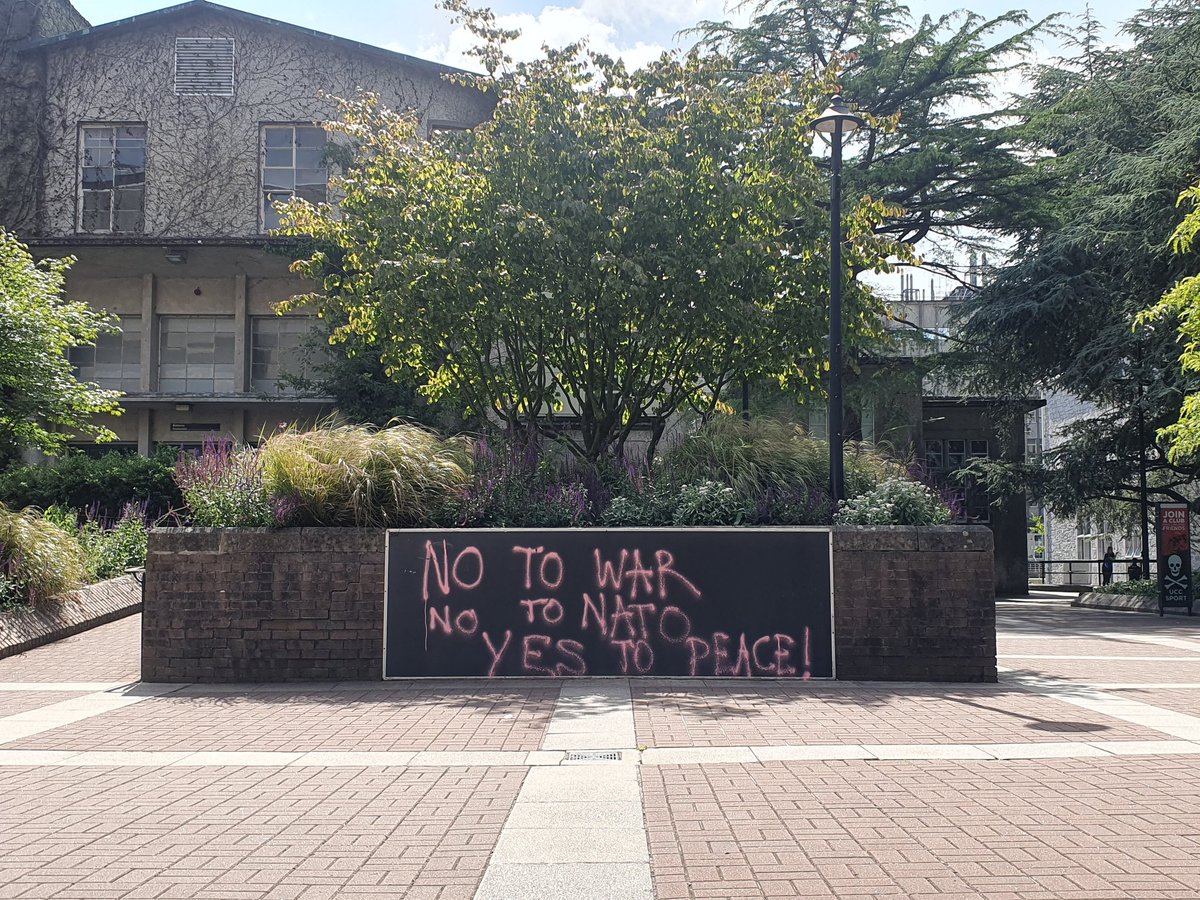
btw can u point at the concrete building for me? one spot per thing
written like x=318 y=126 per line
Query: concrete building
x=152 y=150
x=957 y=427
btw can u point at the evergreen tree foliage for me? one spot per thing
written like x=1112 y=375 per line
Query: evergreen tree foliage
x=1115 y=135
x=942 y=148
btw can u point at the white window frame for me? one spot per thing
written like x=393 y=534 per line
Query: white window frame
x=81 y=191
x=270 y=195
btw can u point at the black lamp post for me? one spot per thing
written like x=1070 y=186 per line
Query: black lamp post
x=836 y=122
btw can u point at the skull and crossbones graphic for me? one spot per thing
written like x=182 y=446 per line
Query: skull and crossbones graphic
x=1174 y=579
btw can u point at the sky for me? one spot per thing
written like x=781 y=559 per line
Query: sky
x=636 y=30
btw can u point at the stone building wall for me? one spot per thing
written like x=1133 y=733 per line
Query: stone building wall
x=22 y=100
x=203 y=152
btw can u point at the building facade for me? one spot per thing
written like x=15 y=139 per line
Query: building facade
x=152 y=149
x=957 y=427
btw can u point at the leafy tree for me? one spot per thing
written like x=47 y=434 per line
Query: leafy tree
x=943 y=150
x=608 y=248
x=1116 y=135
x=1182 y=301
x=41 y=401
x=344 y=366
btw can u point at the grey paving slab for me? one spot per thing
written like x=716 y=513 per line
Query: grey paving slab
x=570 y=845
x=575 y=814
x=568 y=881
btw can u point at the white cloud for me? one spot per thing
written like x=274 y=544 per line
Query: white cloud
x=554 y=26
x=636 y=31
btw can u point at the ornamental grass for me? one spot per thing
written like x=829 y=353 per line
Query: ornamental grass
x=767 y=456
x=38 y=559
x=357 y=475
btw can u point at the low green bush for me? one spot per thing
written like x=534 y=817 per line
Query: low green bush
x=357 y=475
x=727 y=473
x=520 y=484
x=38 y=558
x=110 y=551
x=896 y=501
x=1141 y=588
x=109 y=547
x=102 y=486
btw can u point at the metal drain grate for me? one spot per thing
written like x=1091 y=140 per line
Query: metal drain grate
x=594 y=756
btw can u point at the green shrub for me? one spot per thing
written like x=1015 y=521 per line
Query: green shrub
x=358 y=475
x=1141 y=588
x=102 y=486
x=778 y=474
x=710 y=503
x=38 y=559
x=520 y=484
x=896 y=501
x=110 y=551
x=223 y=487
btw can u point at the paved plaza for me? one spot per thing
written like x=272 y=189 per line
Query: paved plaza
x=1078 y=776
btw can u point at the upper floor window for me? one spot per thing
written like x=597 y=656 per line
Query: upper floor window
x=293 y=165
x=112 y=178
x=278 y=349
x=204 y=67
x=115 y=361
x=195 y=354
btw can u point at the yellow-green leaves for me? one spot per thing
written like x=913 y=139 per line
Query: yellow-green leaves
x=609 y=246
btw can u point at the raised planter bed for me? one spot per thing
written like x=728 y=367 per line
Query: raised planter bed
x=230 y=605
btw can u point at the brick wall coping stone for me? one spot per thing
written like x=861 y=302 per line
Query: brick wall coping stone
x=24 y=628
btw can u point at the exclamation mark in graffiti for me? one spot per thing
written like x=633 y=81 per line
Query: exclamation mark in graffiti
x=807 y=655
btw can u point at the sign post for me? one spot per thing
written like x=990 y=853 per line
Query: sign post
x=1174 y=556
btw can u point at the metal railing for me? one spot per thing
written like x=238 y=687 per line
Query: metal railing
x=1084 y=572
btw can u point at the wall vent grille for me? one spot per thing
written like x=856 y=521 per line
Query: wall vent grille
x=204 y=67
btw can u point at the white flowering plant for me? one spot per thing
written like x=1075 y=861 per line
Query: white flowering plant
x=896 y=501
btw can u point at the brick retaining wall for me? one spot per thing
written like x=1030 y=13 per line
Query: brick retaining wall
x=229 y=605
x=914 y=604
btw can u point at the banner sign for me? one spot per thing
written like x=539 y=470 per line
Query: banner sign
x=1173 y=527
x=697 y=602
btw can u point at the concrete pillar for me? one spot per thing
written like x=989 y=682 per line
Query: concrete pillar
x=241 y=337
x=145 y=421
x=149 y=337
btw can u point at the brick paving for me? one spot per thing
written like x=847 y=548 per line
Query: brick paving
x=12 y=702
x=108 y=653
x=1095 y=828
x=234 y=833
x=1084 y=646
x=1031 y=830
x=373 y=718
x=1089 y=671
x=762 y=714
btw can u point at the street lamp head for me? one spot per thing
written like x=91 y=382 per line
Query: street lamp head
x=837 y=114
